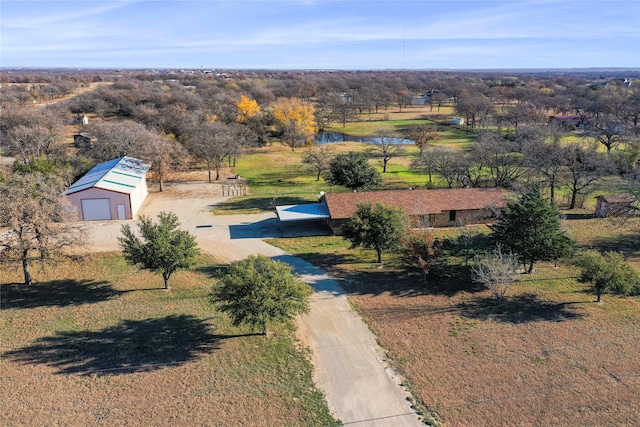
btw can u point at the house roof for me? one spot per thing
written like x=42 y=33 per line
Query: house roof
x=417 y=202
x=616 y=198
x=309 y=211
x=121 y=175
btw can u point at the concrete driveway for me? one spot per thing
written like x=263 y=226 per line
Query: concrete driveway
x=348 y=364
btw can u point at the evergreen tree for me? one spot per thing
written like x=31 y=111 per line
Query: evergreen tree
x=259 y=290
x=530 y=227
x=353 y=171
x=379 y=228
x=163 y=248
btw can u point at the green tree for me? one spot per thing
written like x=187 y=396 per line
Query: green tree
x=380 y=228
x=353 y=171
x=259 y=290
x=607 y=273
x=163 y=248
x=530 y=227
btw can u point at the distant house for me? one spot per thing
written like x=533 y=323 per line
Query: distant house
x=613 y=205
x=80 y=120
x=111 y=190
x=457 y=121
x=568 y=122
x=84 y=140
x=435 y=208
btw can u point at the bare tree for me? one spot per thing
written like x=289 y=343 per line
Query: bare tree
x=584 y=168
x=501 y=156
x=165 y=155
x=496 y=271
x=387 y=146
x=31 y=134
x=38 y=227
x=319 y=158
x=548 y=159
x=609 y=131
x=426 y=160
x=445 y=162
x=117 y=139
x=342 y=109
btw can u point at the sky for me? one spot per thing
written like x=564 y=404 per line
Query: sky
x=320 y=34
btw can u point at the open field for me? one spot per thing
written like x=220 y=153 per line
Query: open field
x=98 y=343
x=548 y=356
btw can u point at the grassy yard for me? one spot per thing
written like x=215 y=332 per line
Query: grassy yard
x=277 y=175
x=98 y=343
x=549 y=355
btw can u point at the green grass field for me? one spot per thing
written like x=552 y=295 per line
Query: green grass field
x=97 y=342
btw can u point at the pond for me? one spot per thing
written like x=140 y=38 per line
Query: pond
x=329 y=137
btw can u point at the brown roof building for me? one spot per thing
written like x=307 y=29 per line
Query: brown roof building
x=436 y=208
x=613 y=205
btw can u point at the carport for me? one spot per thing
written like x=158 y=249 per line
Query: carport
x=300 y=214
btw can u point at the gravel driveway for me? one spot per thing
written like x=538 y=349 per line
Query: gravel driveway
x=348 y=366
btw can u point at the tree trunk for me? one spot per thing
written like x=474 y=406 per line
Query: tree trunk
x=574 y=194
x=599 y=297
x=209 y=170
x=379 y=256
x=264 y=329
x=384 y=166
x=166 y=276
x=160 y=183
x=318 y=178
x=25 y=269
x=530 y=270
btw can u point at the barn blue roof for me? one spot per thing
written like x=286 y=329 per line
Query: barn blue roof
x=121 y=175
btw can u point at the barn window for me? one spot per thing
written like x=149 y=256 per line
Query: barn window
x=452 y=215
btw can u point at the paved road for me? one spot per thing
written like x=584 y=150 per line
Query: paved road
x=348 y=367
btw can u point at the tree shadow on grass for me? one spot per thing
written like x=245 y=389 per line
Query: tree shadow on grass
x=628 y=244
x=450 y=281
x=212 y=271
x=525 y=308
x=55 y=293
x=131 y=346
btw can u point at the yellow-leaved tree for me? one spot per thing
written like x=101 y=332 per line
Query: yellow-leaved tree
x=247 y=109
x=296 y=120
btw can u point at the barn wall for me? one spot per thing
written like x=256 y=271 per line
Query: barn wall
x=137 y=196
x=98 y=193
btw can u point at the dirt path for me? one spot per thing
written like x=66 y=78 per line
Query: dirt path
x=348 y=366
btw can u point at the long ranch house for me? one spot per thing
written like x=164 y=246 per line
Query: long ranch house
x=428 y=208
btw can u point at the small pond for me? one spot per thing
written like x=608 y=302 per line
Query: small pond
x=329 y=137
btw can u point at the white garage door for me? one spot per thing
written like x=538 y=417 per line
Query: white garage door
x=95 y=209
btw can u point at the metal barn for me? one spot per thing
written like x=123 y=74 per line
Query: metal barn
x=111 y=190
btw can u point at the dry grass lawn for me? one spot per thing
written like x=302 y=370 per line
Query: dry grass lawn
x=549 y=355
x=98 y=343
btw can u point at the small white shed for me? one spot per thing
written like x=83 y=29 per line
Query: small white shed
x=111 y=190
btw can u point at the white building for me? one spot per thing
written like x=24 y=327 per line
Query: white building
x=111 y=190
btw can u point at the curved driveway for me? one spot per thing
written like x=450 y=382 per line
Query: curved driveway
x=348 y=366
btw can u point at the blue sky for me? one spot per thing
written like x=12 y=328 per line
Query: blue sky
x=320 y=34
